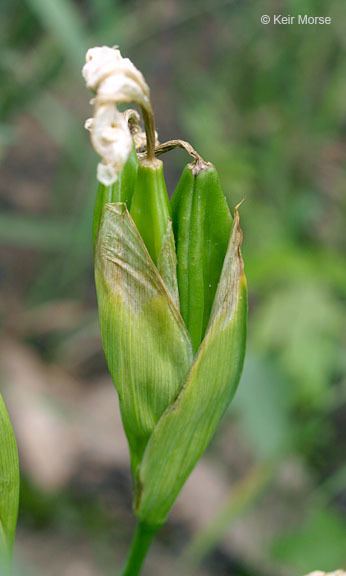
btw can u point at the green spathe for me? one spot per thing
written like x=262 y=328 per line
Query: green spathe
x=146 y=344
x=170 y=402
x=9 y=487
x=186 y=428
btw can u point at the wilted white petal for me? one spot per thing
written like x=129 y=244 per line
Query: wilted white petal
x=99 y=63
x=131 y=71
x=103 y=62
x=120 y=88
x=140 y=140
x=110 y=135
x=88 y=124
x=111 y=139
x=106 y=174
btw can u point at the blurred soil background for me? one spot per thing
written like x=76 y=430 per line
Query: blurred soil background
x=265 y=104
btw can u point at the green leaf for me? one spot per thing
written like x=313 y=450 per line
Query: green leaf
x=185 y=429
x=145 y=340
x=62 y=19
x=9 y=486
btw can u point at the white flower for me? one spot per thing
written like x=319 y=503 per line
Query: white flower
x=114 y=79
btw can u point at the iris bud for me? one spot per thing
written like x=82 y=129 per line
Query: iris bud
x=202 y=225
x=150 y=208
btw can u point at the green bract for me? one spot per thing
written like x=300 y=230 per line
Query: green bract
x=186 y=427
x=9 y=488
x=145 y=340
x=171 y=398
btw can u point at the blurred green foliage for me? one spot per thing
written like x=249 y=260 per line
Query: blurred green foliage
x=266 y=104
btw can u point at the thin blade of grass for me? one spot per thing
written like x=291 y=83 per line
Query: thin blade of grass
x=63 y=20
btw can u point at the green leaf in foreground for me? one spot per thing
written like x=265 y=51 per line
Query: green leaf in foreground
x=9 y=487
x=187 y=426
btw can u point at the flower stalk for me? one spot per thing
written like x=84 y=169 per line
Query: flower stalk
x=149 y=123
x=140 y=545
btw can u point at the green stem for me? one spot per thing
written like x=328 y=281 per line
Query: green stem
x=139 y=547
x=149 y=125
